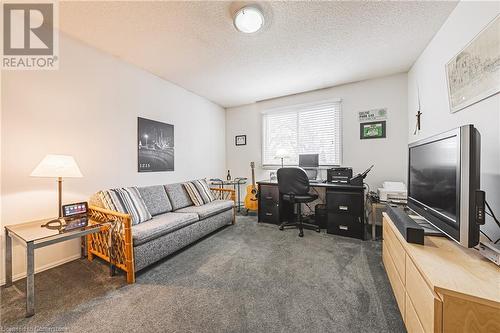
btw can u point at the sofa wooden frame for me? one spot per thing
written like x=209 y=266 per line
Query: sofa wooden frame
x=113 y=243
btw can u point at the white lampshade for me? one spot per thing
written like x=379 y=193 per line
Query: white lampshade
x=63 y=166
x=248 y=19
x=281 y=153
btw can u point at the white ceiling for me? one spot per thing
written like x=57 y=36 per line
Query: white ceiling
x=303 y=46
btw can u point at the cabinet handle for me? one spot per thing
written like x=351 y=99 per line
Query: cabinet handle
x=269 y=198
x=343 y=227
x=269 y=214
x=344 y=208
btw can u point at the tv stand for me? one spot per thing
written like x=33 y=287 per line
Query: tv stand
x=429 y=229
x=441 y=286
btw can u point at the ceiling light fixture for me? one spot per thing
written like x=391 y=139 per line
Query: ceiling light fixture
x=248 y=20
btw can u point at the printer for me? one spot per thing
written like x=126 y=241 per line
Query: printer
x=393 y=192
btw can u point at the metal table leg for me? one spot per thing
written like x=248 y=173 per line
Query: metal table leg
x=30 y=280
x=374 y=220
x=8 y=259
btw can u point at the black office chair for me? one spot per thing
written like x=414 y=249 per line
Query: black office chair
x=293 y=185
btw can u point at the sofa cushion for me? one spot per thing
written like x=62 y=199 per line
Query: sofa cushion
x=212 y=208
x=156 y=199
x=126 y=200
x=161 y=225
x=178 y=196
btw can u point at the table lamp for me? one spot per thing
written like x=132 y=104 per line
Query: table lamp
x=57 y=166
x=282 y=154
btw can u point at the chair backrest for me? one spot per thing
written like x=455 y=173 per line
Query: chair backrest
x=293 y=181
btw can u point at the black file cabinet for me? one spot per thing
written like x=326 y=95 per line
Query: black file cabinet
x=345 y=212
x=271 y=208
x=269 y=204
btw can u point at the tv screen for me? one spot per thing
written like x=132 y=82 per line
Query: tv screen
x=443 y=176
x=434 y=176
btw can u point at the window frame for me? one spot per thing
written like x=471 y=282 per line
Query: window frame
x=292 y=108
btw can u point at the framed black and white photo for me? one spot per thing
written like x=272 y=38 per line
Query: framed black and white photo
x=240 y=140
x=473 y=74
x=372 y=130
x=155 y=146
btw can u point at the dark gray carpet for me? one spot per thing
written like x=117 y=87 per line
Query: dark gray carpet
x=245 y=278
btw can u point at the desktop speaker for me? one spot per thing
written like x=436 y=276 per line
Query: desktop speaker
x=409 y=229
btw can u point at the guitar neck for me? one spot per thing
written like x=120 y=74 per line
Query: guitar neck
x=253 y=177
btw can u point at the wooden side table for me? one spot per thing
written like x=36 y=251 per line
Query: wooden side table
x=33 y=236
x=374 y=213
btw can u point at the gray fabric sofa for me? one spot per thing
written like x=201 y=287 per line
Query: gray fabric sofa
x=176 y=223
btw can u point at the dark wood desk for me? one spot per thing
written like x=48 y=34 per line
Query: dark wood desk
x=344 y=203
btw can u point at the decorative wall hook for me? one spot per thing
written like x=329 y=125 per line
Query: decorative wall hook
x=419 y=113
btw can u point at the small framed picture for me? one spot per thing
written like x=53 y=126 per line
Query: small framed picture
x=240 y=140
x=372 y=130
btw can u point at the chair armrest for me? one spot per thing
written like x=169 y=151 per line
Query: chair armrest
x=121 y=254
x=224 y=194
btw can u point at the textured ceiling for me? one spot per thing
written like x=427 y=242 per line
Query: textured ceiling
x=303 y=46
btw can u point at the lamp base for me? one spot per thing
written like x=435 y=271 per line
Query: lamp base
x=55 y=224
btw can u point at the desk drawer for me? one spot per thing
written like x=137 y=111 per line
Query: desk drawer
x=398 y=253
x=426 y=304
x=396 y=283
x=268 y=192
x=345 y=225
x=269 y=212
x=412 y=322
x=345 y=202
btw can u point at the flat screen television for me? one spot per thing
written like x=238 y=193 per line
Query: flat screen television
x=443 y=176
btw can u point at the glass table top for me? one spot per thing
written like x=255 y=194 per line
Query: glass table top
x=41 y=229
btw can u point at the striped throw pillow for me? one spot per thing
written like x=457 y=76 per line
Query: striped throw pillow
x=106 y=201
x=204 y=191
x=126 y=200
x=193 y=193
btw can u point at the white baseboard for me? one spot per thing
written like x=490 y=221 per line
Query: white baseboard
x=22 y=275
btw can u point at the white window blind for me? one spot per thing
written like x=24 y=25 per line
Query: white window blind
x=303 y=129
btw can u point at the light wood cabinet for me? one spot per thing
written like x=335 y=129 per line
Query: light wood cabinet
x=441 y=286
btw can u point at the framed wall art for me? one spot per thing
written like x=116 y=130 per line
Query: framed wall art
x=474 y=73
x=155 y=146
x=372 y=130
x=240 y=140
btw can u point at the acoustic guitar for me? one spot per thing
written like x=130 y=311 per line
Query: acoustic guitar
x=251 y=197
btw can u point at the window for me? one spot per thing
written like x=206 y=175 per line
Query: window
x=303 y=129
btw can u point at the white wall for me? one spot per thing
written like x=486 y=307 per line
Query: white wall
x=388 y=155
x=465 y=22
x=89 y=108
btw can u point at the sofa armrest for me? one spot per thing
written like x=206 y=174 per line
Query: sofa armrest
x=121 y=253
x=226 y=194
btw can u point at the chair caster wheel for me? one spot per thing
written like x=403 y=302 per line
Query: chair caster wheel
x=318 y=230
x=281 y=228
x=301 y=234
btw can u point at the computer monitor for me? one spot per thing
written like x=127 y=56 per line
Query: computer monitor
x=309 y=160
x=310 y=163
